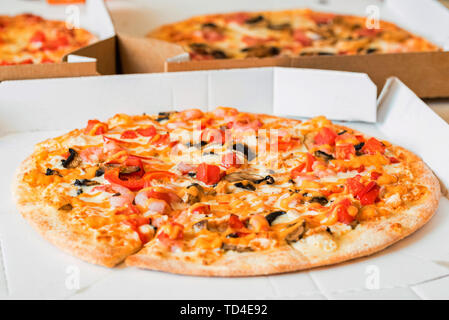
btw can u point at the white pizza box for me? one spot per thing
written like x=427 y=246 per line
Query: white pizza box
x=427 y=18
x=92 y=16
x=33 y=268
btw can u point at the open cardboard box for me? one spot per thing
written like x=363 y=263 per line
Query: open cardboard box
x=93 y=16
x=426 y=73
x=50 y=108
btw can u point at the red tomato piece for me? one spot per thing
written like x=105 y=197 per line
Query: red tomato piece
x=375 y=175
x=393 y=160
x=354 y=185
x=326 y=136
x=297 y=171
x=370 y=194
x=301 y=37
x=128 y=134
x=309 y=162
x=147 y=132
x=102 y=127
x=204 y=209
x=235 y=222
x=372 y=146
x=38 y=36
x=208 y=173
x=342 y=212
x=133 y=184
x=344 y=151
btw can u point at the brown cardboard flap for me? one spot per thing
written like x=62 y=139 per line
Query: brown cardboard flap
x=105 y=53
x=144 y=55
x=50 y=70
x=426 y=73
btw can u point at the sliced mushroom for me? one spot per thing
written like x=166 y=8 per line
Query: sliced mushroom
x=129 y=169
x=296 y=232
x=200 y=225
x=66 y=207
x=245 y=184
x=72 y=161
x=243 y=148
x=309 y=140
x=279 y=27
x=323 y=155
x=268 y=179
x=273 y=215
x=321 y=200
x=261 y=51
x=242 y=175
x=99 y=172
x=194 y=193
x=255 y=19
x=85 y=182
x=237 y=248
x=51 y=172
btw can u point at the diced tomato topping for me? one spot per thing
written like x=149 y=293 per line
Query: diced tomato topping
x=128 y=134
x=361 y=168
x=375 y=175
x=171 y=231
x=235 y=222
x=203 y=209
x=287 y=145
x=147 y=132
x=238 y=17
x=38 y=36
x=373 y=146
x=132 y=183
x=297 y=171
x=342 y=211
x=253 y=41
x=229 y=160
x=326 y=136
x=365 y=32
x=208 y=173
x=370 y=194
x=354 y=185
x=101 y=127
x=344 y=151
x=135 y=223
x=322 y=18
x=301 y=37
x=393 y=160
x=309 y=162
x=212 y=35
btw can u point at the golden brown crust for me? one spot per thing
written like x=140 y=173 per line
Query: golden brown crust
x=365 y=240
x=44 y=218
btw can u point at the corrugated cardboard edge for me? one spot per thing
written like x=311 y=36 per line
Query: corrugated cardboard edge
x=411 y=68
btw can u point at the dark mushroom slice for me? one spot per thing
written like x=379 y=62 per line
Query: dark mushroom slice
x=268 y=179
x=242 y=175
x=321 y=200
x=194 y=193
x=243 y=148
x=245 y=185
x=323 y=155
x=72 y=161
x=279 y=27
x=325 y=53
x=371 y=50
x=219 y=54
x=273 y=215
x=359 y=146
x=51 y=172
x=342 y=132
x=129 y=169
x=234 y=247
x=209 y=25
x=198 y=145
x=297 y=231
x=261 y=51
x=200 y=225
x=79 y=191
x=232 y=235
x=66 y=207
x=99 y=172
x=200 y=48
x=165 y=115
x=85 y=183
x=255 y=19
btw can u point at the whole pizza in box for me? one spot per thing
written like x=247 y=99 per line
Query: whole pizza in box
x=291 y=33
x=223 y=193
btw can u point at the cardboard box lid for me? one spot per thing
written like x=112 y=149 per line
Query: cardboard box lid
x=45 y=112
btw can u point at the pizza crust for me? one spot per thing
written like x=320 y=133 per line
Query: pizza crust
x=365 y=240
x=79 y=243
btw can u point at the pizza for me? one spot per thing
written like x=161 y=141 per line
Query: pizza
x=289 y=33
x=28 y=38
x=222 y=193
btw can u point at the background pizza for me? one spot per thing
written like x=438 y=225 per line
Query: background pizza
x=286 y=33
x=223 y=193
x=28 y=38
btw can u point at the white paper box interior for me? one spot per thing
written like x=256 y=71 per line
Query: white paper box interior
x=92 y=16
x=33 y=268
x=411 y=15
